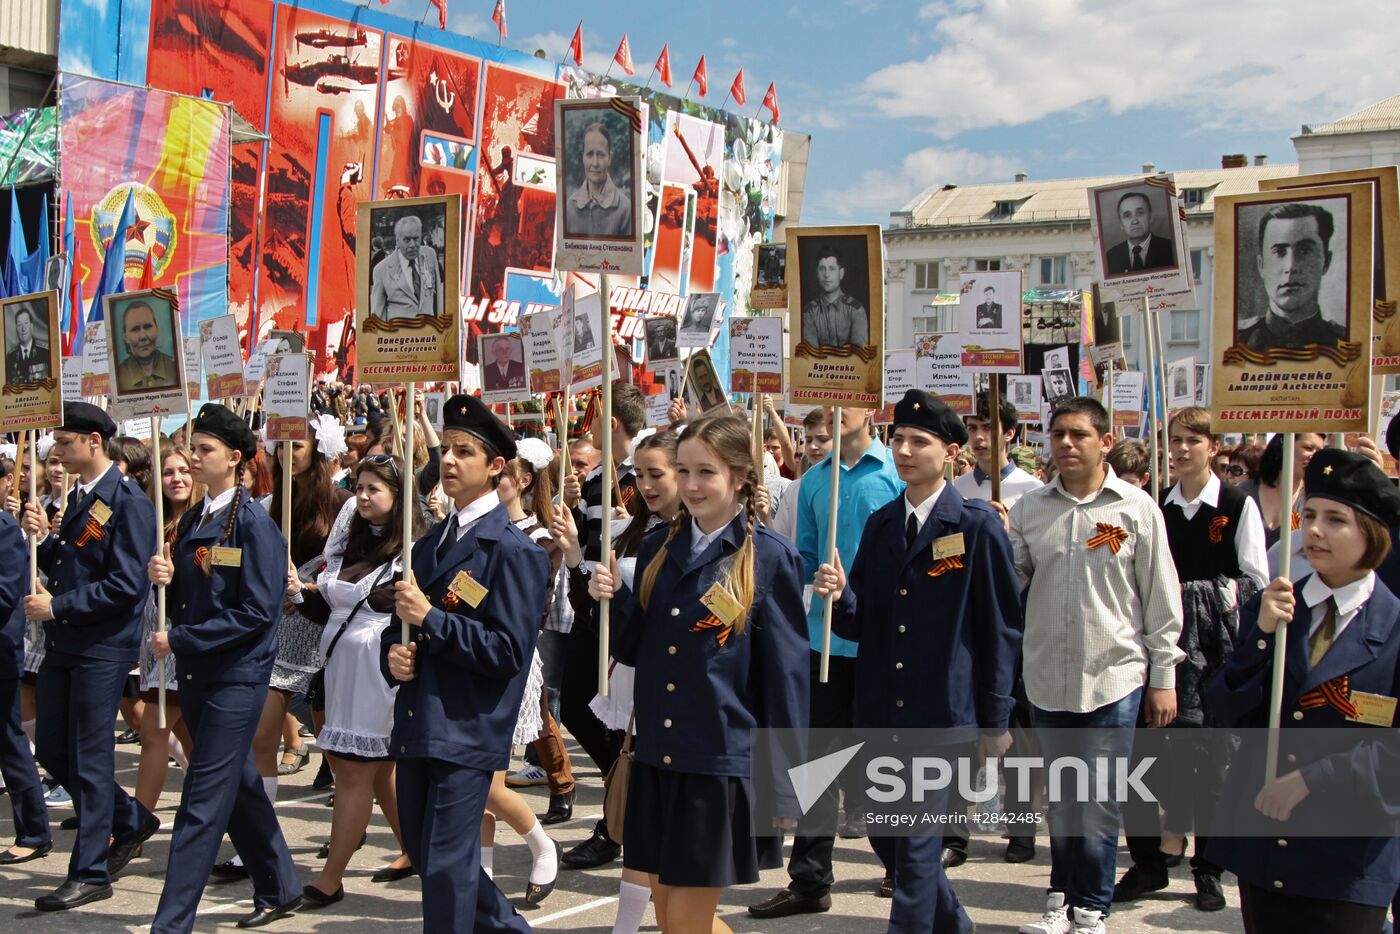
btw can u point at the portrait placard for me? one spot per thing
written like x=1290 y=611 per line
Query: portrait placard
x=542 y=358
x=989 y=322
x=1127 y=399
x=670 y=375
x=1181 y=383
x=704 y=393
x=256 y=367
x=502 y=361
x=223 y=357
x=287 y=396
x=756 y=354
x=661 y=341
x=145 y=353
x=194 y=356
x=287 y=341
x=585 y=343
x=1059 y=386
x=1138 y=232
x=1292 y=331
x=1056 y=359
x=1202 y=384
x=658 y=409
x=32 y=394
x=432 y=408
x=601 y=192
x=97 y=380
x=72 y=379
x=1385 y=249
x=900 y=377
x=836 y=306
x=769 y=276
x=1024 y=393
x=407 y=316
x=939 y=370
x=702 y=311
x=1106 y=329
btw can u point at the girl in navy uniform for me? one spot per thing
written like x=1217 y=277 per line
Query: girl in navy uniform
x=1342 y=675
x=474 y=606
x=717 y=632
x=227 y=577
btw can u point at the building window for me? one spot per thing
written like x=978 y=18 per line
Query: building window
x=1054 y=270
x=986 y=265
x=926 y=277
x=936 y=319
x=1186 y=326
x=1004 y=209
x=1198 y=264
x=1193 y=197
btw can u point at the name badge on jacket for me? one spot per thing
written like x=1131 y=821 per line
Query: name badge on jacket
x=100 y=511
x=468 y=588
x=722 y=603
x=221 y=556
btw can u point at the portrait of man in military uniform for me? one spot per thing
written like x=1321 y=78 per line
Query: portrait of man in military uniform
x=1292 y=265
x=142 y=328
x=27 y=356
x=835 y=315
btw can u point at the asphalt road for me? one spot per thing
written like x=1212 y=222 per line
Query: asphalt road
x=999 y=896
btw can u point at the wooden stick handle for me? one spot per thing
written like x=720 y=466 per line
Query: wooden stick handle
x=158 y=497
x=833 y=505
x=609 y=478
x=410 y=497
x=1285 y=562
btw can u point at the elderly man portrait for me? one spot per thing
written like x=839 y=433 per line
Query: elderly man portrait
x=29 y=361
x=1294 y=254
x=145 y=367
x=405 y=283
x=833 y=318
x=502 y=372
x=1142 y=250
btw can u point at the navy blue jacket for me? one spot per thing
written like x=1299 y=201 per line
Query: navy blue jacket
x=935 y=652
x=99 y=583
x=697 y=697
x=224 y=623
x=14 y=585
x=472 y=663
x=1361 y=770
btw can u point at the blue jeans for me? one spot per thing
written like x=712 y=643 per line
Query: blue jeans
x=1083 y=863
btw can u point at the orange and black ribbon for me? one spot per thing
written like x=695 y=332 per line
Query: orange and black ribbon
x=1297 y=522
x=92 y=532
x=1335 y=693
x=1345 y=352
x=1383 y=310
x=201 y=558
x=450 y=600
x=713 y=622
x=944 y=565
x=633 y=115
x=1110 y=535
x=807 y=349
x=439 y=323
x=1217 y=528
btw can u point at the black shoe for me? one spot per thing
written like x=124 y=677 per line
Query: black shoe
x=70 y=823
x=261 y=916
x=1137 y=882
x=312 y=897
x=325 y=851
x=72 y=894
x=953 y=857
x=128 y=738
x=40 y=851
x=1020 y=850
x=1209 y=895
x=390 y=874
x=561 y=808
x=536 y=893
x=787 y=902
x=228 y=870
x=596 y=851
x=1173 y=860
x=853 y=827
x=324 y=779
x=886 y=889
x=121 y=853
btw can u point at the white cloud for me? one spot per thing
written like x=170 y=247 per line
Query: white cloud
x=729 y=42
x=468 y=24
x=880 y=191
x=1251 y=63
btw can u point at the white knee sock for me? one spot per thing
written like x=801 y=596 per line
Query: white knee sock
x=546 y=860
x=632 y=900
x=177 y=752
x=28 y=727
x=270 y=787
x=488 y=860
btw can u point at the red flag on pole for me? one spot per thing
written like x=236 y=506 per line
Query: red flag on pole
x=770 y=100
x=442 y=12
x=737 y=89
x=498 y=16
x=663 y=65
x=75 y=298
x=701 y=78
x=147 y=274
x=623 y=55
x=576 y=46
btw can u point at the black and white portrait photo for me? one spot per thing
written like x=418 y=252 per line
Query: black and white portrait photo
x=698 y=319
x=598 y=145
x=1107 y=328
x=502 y=362
x=28 y=358
x=1021 y=394
x=1291 y=282
x=989 y=309
x=406 y=277
x=1059 y=386
x=143 y=335
x=584 y=339
x=703 y=389
x=835 y=291
x=1136 y=228
x=661 y=341
x=772 y=265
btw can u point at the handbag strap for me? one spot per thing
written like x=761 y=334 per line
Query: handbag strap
x=356 y=609
x=629 y=738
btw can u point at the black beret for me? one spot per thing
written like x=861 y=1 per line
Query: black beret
x=83 y=418
x=470 y=414
x=218 y=421
x=919 y=409
x=1392 y=437
x=1354 y=480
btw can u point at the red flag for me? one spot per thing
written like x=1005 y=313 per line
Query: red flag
x=147 y=274
x=737 y=89
x=75 y=297
x=663 y=65
x=701 y=78
x=498 y=16
x=442 y=12
x=576 y=46
x=770 y=100
x=623 y=55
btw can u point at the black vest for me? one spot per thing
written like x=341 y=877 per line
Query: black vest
x=1204 y=545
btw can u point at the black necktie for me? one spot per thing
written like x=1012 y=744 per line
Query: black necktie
x=448 y=541
x=911 y=530
x=417 y=280
x=1325 y=634
x=1137 y=257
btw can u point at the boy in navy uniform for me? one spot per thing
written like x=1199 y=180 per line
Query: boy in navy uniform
x=92 y=612
x=1342 y=675
x=478 y=593
x=953 y=670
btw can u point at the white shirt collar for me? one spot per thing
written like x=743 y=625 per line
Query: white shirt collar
x=699 y=541
x=1210 y=494
x=1111 y=482
x=85 y=488
x=407 y=267
x=1350 y=598
x=472 y=513
x=922 y=511
x=212 y=506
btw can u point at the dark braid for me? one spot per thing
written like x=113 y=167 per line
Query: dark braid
x=232 y=511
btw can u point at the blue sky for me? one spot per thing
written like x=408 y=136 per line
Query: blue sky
x=902 y=94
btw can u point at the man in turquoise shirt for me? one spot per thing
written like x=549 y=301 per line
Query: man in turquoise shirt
x=868 y=481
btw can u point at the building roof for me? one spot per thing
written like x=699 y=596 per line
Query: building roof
x=1381 y=116
x=1063 y=199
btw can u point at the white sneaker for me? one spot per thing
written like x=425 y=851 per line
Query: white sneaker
x=1088 y=922
x=1054 y=921
x=527 y=776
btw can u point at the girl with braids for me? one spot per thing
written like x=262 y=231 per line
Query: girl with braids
x=180 y=492
x=227 y=577
x=353 y=599
x=717 y=632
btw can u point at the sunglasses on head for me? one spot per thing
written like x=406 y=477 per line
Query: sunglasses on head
x=380 y=460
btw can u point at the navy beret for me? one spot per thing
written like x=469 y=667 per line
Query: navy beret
x=221 y=422
x=919 y=409
x=83 y=418
x=470 y=414
x=1354 y=480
